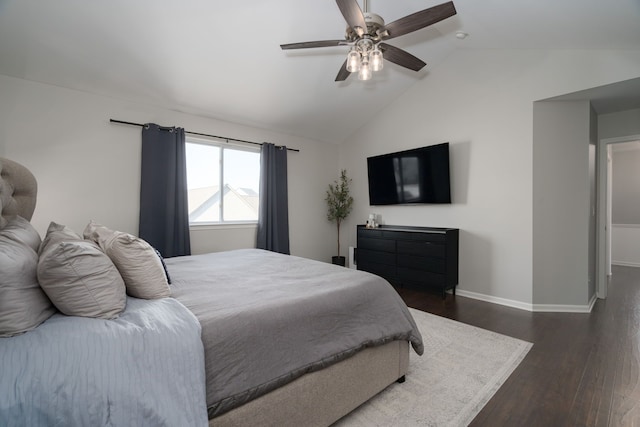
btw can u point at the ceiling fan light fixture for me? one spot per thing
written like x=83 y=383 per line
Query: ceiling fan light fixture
x=365 y=70
x=353 y=61
x=377 y=61
x=367 y=34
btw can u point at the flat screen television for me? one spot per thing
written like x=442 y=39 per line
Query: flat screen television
x=420 y=175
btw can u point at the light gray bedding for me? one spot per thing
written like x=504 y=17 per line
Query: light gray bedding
x=268 y=318
x=145 y=368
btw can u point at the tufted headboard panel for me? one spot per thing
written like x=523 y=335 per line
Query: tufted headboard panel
x=18 y=191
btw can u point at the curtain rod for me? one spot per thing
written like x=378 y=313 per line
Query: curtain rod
x=203 y=134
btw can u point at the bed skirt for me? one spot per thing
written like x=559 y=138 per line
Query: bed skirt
x=323 y=397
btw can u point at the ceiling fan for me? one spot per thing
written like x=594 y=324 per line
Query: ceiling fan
x=366 y=35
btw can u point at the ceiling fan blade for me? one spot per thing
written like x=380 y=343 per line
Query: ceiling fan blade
x=418 y=20
x=343 y=73
x=401 y=57
x=353 y=15
x=305 y=45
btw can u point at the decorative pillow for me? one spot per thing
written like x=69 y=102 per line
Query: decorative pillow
x=98 y=233
x=78 y=277
x=136 y=260
x=164 y=266
x=57 y=233
x=23 y=305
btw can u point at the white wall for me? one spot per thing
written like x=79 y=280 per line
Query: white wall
x=88 y=168
x=561 y=203
x=623 y=123
x=481 y=101
x=625 y=245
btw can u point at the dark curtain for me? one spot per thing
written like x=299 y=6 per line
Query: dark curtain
x=273 y=219
x=164 y=212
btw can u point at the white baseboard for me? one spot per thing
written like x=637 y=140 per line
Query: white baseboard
x=625 y=263
x=594 y=298
x=563 y=308
x=495 y=300
x=543 y=308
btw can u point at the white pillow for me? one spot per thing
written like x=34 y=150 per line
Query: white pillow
x=78 y=277
x=136 y=260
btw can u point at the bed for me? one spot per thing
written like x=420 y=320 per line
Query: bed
x=248 y=337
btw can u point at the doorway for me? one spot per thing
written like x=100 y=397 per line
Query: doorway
x=604 y=228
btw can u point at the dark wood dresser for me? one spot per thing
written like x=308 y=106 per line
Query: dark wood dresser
x=421 y=257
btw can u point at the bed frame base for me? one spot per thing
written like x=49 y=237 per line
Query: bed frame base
x=323 y=397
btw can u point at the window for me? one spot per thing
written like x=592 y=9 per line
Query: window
x=223 y=182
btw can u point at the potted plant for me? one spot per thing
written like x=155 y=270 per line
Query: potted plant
x=339 y=204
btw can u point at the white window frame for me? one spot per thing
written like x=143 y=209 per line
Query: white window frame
x=223 y=145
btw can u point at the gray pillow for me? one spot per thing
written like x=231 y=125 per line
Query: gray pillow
x=23 y=305
x=136 y=260
x=78 y=277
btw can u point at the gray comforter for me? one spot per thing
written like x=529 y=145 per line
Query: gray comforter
x=268 y=318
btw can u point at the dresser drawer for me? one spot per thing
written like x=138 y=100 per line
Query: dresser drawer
x=421 y=248
x=377 y=244
x=434 y=265
x=376 y=257
x=430 y=237
x=420 y=277
x=395 y=235
x=369 y=233
x=383 y=270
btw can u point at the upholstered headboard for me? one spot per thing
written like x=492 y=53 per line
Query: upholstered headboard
x=18 y=191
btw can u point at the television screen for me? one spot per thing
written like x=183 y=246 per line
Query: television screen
x=420 y=175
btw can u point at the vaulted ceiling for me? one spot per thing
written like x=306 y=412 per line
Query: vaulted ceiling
x=223 y=59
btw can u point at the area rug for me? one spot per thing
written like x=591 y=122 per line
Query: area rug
x=461 y=369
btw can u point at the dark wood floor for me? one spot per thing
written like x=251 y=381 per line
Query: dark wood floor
x=583 y=369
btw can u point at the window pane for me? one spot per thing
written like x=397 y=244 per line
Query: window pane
x=241 y=185
x=203 y=182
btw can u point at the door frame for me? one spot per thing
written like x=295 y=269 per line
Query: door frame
x=603 y=218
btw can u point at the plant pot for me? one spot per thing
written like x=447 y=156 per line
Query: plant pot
x=339 y=260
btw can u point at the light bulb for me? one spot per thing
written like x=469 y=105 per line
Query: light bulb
x=353 y=61
x=365 y=71
x=376 y=60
